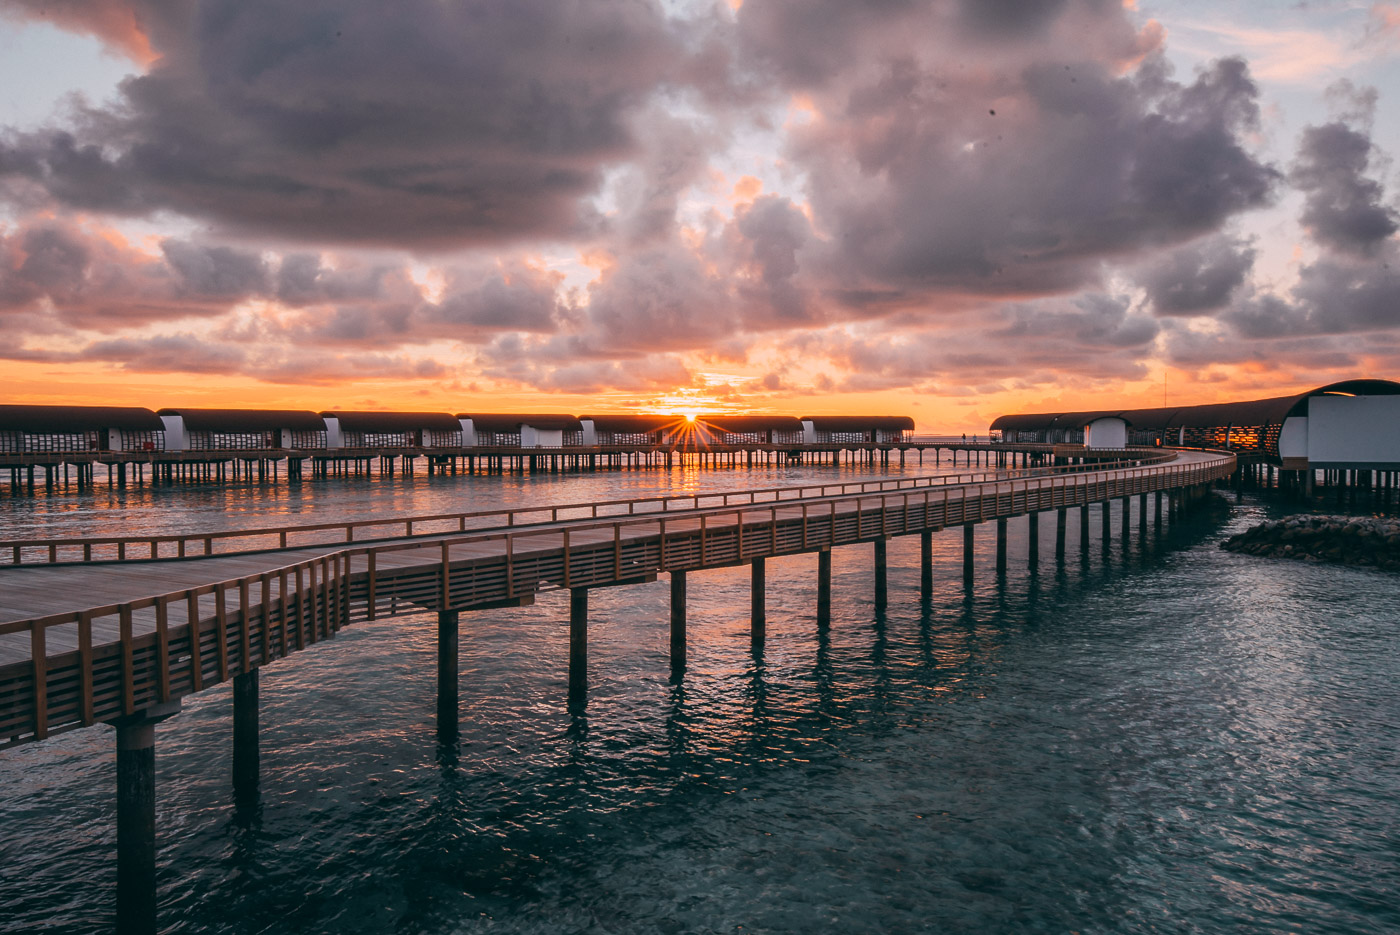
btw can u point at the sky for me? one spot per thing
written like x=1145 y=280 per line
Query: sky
x=949 y=210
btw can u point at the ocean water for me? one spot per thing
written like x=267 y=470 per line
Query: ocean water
x=1162 y=738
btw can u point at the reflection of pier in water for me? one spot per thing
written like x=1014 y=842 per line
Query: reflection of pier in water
x=99 y=631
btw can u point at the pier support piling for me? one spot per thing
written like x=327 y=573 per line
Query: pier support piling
x=245 y=736
x=1001 y=546
x=1033 y=535
x=1061 y=521
x=677 y=623
x=578 y=643
x=824 y=588
x=136 y=827
x=758 y=612
x=136 y=819
x=447 y=683
x=882 y=591
x=968 y=543
x=926 y=566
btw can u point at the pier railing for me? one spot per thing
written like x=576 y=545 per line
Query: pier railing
x=227 y=542
x=104 y=662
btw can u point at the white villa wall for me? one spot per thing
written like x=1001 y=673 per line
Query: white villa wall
x=531 y=437
x=176 y=438
x=1106 y=433
x=590 y=432
x=334 y=437
x=1354 y=430
x=1293 y=437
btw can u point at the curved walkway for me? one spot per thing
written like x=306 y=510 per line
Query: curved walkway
x=97 y=641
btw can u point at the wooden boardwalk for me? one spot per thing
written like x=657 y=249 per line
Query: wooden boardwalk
x=82 y=642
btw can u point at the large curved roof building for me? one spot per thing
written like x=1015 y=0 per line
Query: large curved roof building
x=1351 y=424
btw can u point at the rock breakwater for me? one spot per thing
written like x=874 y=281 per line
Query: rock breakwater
x=1347 y=540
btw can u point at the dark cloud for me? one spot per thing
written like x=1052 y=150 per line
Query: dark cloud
x=1312 y=359
x=176 y=353
x=303 y=279
x=924 y=196
x=673 y=154
x=1334 y=295
x=515 y=360
x=413 y=123
x=766 y=240
x=1093 y=321
x=1197 y=279
x=198 y=354
x=57 y=276
x=662 y=298
x=1010 y=18
x=1092 y=339
x=86 y=279
x=1343 y=209
x=215 y=273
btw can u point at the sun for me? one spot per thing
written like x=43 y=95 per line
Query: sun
x=691 y=415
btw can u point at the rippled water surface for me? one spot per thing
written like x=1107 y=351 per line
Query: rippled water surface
x=1163 y=738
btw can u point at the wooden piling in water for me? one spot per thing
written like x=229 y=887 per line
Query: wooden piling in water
x=245 y=736
x=758 y=613
x=578 y=643
x=448 y=635
x=882 y=592
x=678 y=613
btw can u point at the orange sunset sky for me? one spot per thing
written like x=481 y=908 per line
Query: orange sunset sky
x=944 y=210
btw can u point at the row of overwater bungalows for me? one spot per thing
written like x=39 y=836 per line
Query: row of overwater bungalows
x=91 y=429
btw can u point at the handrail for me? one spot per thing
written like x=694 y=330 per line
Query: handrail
x=13 y=552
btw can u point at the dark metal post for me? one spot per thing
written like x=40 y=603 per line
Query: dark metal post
x=677 y=622
x=882 y=595
x=245 y=735
x=824 y=587
x=1061 y=521
x=1084 y=531
x=1106 y=521
x=447 y=661
x=578 y=642
x=758 y=615
x=1127 y=522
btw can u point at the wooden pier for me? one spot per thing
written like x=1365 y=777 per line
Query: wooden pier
x=118 y=630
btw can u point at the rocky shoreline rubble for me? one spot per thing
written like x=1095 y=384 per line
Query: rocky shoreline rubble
x=1348 y=540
